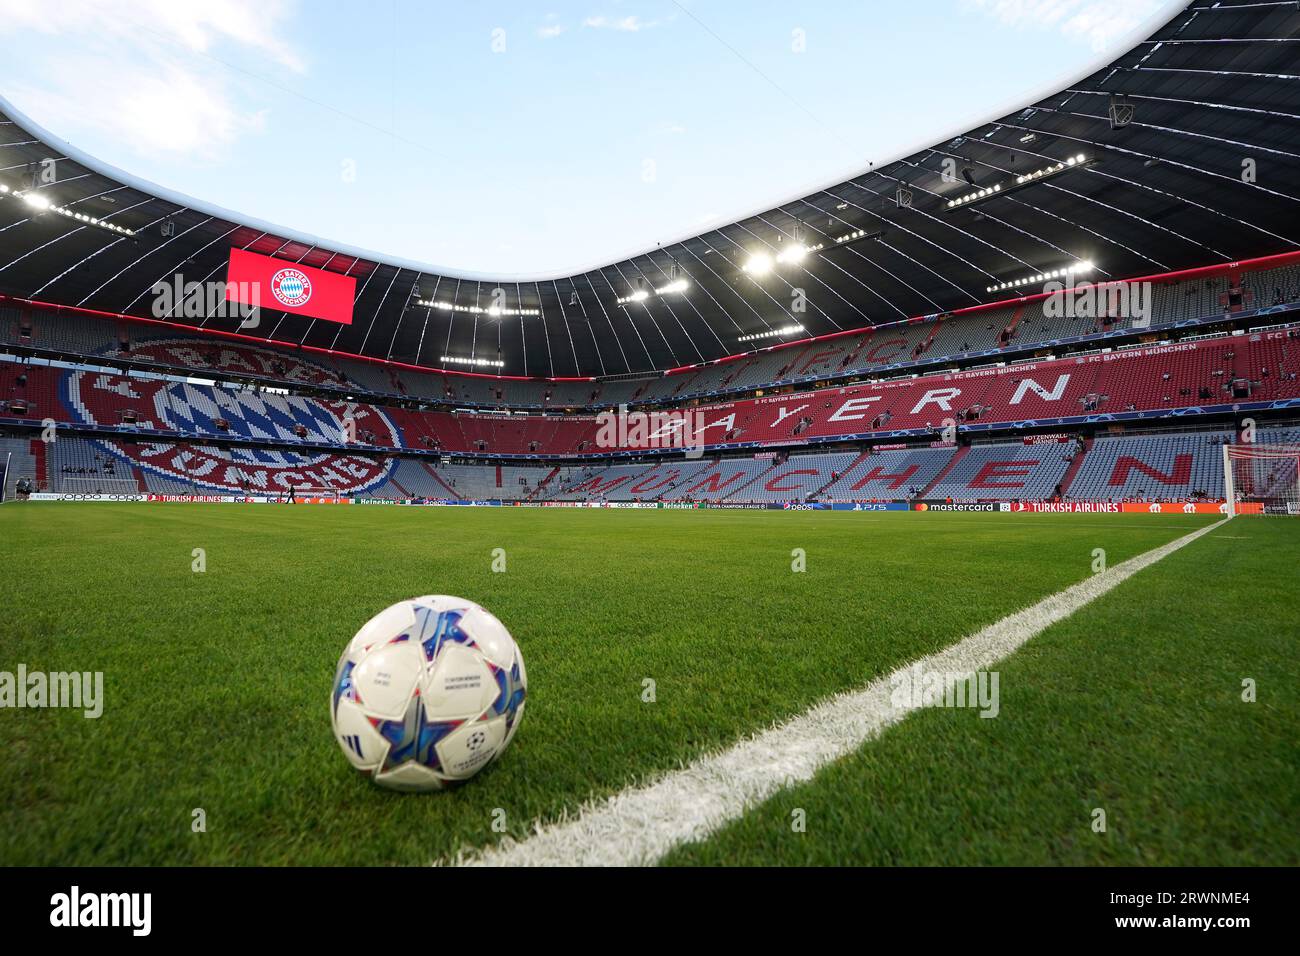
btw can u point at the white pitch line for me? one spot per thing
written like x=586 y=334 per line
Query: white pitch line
x=640 y=825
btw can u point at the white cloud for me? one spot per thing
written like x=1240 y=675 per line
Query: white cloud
x=550 y=31
x=198 y=25
x=166 y=110
x=129 y=68
x=1100 y=23
x=628 y=24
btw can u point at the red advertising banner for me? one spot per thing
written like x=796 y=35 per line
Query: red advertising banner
x=302 y=290
x=1134 y=507
x=1056 y=438
x=1190 y=508
x=1068 y=507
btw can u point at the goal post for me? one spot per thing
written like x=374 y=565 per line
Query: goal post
x=304 y=491
x=95 y=484
x=1262 y=479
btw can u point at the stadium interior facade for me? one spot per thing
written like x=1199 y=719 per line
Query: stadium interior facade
x=1084 y=300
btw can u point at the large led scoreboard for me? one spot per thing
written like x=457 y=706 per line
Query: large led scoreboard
x=267 y=282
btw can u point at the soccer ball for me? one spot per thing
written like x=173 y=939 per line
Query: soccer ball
x=428 y=693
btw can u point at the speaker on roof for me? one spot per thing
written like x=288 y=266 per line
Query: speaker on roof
x=1121 y=111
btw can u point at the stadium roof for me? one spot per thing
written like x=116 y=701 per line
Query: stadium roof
x=1197 y=162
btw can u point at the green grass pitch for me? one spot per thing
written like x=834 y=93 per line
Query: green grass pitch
x=217 y=683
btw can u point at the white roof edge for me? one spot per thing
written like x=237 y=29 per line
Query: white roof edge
x=1156 y=21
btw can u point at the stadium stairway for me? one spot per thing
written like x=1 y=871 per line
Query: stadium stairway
x=943 y=472
x=762 y=474
x=42 y=463
x=854 y=351
x=709 y=479
x=19 y=454
x=138 y=474
x=791 y=362
x=1166 y=467
x=1002 y=471
x=645 y=484
x=541 y=485
x=926 y=342
x=682 y=385
x=672 y=476
x=451 y=489
x=433 y=473
x=836 y=476
x=1068 y=478
x=1009 y=332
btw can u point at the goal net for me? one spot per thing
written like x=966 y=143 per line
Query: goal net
x=310 y=491
x=1262 y=479
x=94 y=485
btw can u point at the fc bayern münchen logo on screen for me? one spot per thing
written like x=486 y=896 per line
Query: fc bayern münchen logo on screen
x=291 y=287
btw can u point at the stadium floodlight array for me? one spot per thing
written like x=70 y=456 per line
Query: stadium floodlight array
x=641 y=294
x=791 y=329
x=1050 y=170
x=1078 y=161
x=1263 y=474
x=790 y=253
x=492 y=310
x=855 y=236
x=978 y=194
x=1065 y=272
x=758 y=264
x=40 y=203
x=461 y=360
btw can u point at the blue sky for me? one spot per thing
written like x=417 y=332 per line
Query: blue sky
x=525 y=137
